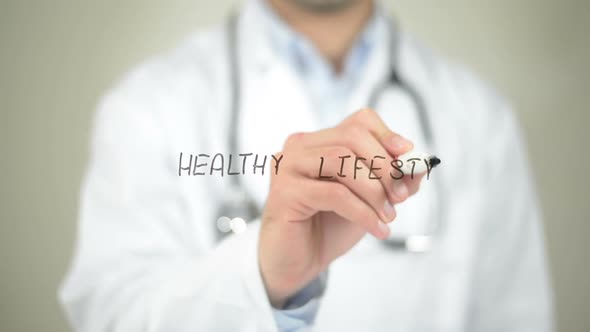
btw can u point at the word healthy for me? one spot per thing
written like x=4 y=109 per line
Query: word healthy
x=251 y=163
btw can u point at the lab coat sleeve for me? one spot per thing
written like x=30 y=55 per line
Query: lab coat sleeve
x=142 y=259
x=511 y=285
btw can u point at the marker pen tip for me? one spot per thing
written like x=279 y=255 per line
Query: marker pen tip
x=433 y=161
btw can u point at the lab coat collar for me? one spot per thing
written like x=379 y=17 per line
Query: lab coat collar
x=257 y=50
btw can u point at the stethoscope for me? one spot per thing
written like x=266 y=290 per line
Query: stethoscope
x=238 y=203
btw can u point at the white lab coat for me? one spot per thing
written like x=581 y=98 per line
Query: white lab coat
x=147 y=258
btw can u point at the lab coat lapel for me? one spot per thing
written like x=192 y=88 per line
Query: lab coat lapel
x=273 y=102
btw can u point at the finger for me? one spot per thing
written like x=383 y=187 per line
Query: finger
x=394 y=143
x=335 y=197
x=413 y=185
x=362 y=143
x=369 y=190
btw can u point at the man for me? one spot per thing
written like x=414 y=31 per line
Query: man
x=148 y=256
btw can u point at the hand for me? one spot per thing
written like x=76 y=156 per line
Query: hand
x=308 y=222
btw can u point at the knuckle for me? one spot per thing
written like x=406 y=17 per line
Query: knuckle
x=380 y=195
x=357 y=116
x=339 y=192
x=336 y=152
x=292 y=139
x=353 y=133
x=364 y=113
x=367 y=217
x=377 y=195
x=322 y=196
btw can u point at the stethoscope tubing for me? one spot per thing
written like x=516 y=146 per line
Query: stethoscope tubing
x=393 y=78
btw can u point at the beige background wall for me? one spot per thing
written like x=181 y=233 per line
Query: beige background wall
x=57 y=57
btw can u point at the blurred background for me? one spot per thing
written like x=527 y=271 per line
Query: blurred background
x=58 y=57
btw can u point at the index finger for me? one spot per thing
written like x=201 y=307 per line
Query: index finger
x=368 y=119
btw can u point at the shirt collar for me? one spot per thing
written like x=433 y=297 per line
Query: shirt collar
x=301 y=53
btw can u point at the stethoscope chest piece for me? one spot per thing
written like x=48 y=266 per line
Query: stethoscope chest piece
x=236 y=208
